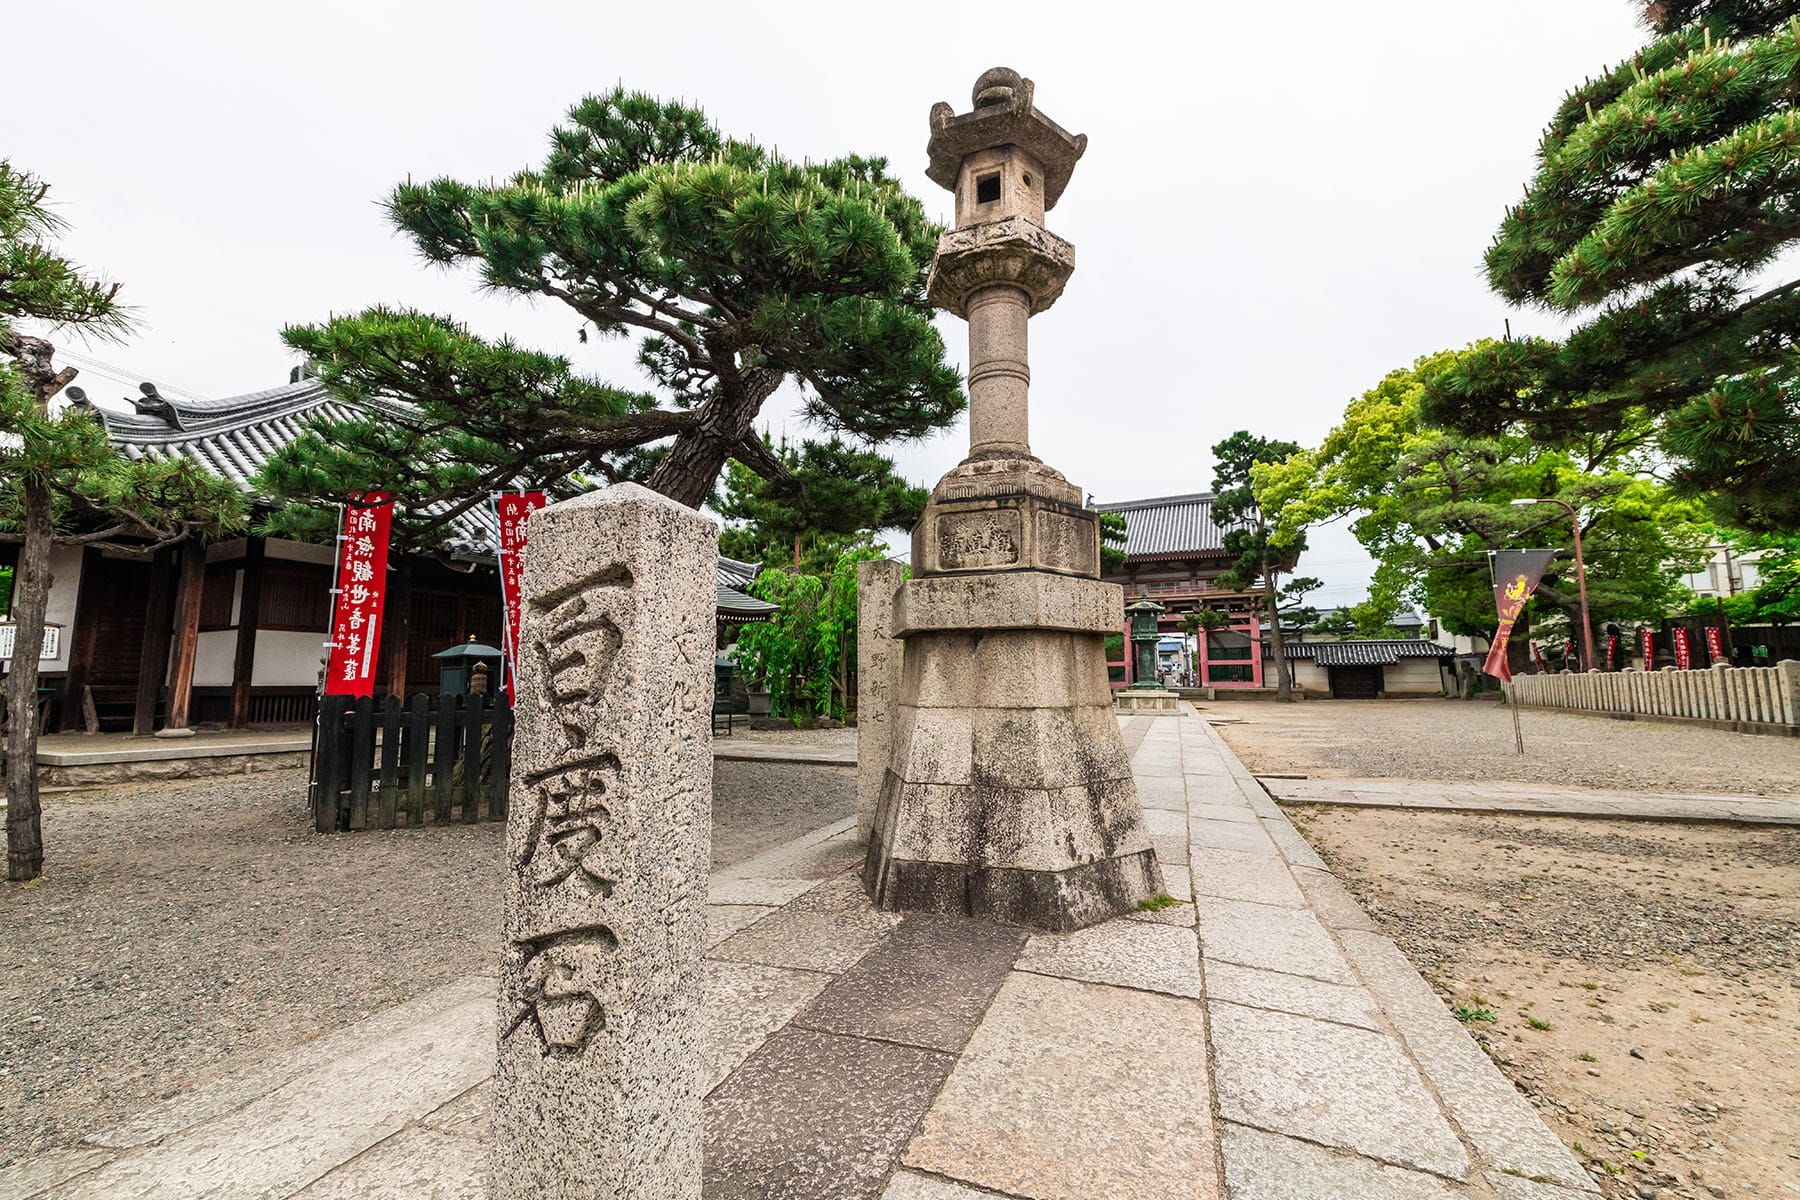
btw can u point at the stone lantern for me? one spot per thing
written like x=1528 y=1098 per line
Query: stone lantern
x=1144 y=636
x=1008 y=793
x=1147 y=694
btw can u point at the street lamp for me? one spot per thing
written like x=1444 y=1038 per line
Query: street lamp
x=1587 y=625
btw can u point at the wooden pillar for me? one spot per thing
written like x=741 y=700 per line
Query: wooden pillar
x=153 y=659
x=84 y=641
x=396 y=624
x=187 y=638
x=243 y=665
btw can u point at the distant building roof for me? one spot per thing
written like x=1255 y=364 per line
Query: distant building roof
x=235 y=436
x=1168 y=526
x=1365 y=653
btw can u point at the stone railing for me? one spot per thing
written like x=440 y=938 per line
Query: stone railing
x=1752 y=695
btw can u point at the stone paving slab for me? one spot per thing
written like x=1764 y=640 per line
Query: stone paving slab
x=1292 y=993
x=747 y=1002
x=418 y=1163
x=1071 y=1091
x=927 y=985
x=1230 y=835
x=1539 y=800
x=1235 y=875
x=327 y=1116
x=816 y=1116
x=1329 y=1083
x=910 y=1185
x=1267 y=1166
x=723 y=920
x=1287 y=940
x=1134 y=954
x=827 y=928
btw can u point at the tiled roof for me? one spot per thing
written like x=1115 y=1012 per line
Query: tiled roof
x=234 y=437
x=1365 y=653
x=1168 y=525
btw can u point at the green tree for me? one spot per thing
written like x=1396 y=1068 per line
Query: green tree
x=736 y=271
x=805 y=652
x=1429 y=504
x=1112 y=542
x=1259 y=558
x=61 y=482
x=1663 y=203
x=834 y=497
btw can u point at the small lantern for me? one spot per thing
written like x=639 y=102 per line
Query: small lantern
x=456 y=665
x=1144 y=636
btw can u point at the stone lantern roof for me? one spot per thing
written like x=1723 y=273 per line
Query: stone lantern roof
x=1003 y=116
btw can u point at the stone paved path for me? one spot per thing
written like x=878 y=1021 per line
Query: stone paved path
x=1536 y=799
x=1259 y=1040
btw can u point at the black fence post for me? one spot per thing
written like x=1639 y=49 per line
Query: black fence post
x=443 y=772
x=418 y=757
x=386 y=799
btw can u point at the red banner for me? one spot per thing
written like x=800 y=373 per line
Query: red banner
x=1612 y=651
x=1516 y=576
x=1537 y=652
x=1648 y=638
x=1715 y=645
x=512 y=509
x=361 y=587
x=1684 y=654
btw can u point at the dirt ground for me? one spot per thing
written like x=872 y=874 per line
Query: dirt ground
x=183 y=931
x=1456 y=739
x=1637 y=980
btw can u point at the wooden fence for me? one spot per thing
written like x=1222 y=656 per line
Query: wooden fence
x=1751 y=695
x=382 y=763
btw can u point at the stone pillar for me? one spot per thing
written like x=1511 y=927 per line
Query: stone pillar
x=999 y=373
x=598 y=1082
x=1787 y=678
x=879 y=658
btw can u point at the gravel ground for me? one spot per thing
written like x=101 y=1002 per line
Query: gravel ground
x=1473 y=740
x=184 y=931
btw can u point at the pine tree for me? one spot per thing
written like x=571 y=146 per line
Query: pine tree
x=736 y=270
x=1666 y=194
x=834 y=497
x=61 y=482
x=1260 y=558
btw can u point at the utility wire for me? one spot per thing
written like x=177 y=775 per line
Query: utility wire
x=121 y=375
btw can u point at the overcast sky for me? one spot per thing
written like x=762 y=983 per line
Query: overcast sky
x=1271 y=213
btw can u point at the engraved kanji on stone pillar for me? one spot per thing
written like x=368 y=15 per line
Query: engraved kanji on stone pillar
x=598 y=1081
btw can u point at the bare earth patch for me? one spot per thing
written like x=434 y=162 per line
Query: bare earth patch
x=1638 y=980
x=184 y=931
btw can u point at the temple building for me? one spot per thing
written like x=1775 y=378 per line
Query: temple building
x=1174 y=554
x=233 y=636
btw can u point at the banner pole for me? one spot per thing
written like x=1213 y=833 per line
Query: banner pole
x=506 y=646
x=312 y=766
x=1518 y=732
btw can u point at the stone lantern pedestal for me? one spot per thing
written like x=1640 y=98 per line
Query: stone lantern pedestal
x=1008 y=793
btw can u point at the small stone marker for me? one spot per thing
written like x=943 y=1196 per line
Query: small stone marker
x=598 y=1083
